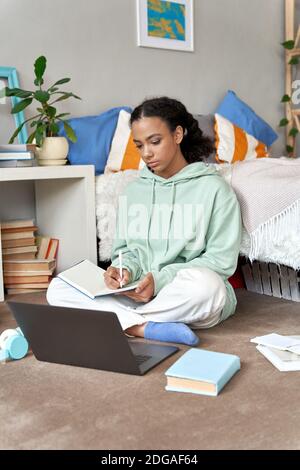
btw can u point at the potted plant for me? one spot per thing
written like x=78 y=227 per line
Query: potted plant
x=45 y=124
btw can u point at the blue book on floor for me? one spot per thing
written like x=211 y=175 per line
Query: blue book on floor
x=202 y=372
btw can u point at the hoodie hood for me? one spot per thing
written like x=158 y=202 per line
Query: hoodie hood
x=193 y=170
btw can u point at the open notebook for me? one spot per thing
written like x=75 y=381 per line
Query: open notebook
x=88 y=278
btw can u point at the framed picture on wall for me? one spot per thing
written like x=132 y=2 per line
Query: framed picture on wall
x=166 y=24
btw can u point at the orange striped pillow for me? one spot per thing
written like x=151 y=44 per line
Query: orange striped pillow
x=123 y=153
x=234 y=144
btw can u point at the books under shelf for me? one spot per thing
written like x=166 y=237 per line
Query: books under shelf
x=29 y=261
x=13 y=224
x=20 y=266
x=19 y=252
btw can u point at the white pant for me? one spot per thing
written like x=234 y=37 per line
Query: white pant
x=196 y=296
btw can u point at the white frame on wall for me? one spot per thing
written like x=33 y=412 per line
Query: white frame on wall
x=165 y=43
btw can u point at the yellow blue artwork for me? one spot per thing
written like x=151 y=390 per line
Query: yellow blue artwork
x=166 y=20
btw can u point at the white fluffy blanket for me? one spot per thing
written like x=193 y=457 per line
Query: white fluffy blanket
x=108 y=188
x=282 y=249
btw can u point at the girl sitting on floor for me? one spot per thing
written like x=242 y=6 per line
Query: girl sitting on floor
x=179 y=230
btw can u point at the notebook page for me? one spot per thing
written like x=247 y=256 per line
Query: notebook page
x=88 y=278
x=276 y=341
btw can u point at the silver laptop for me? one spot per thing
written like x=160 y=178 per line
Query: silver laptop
x=85 y=338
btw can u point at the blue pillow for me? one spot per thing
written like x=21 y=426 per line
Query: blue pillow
x=94 y=138
x=240 y=114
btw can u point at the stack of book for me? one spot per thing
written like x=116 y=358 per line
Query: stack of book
x=17 y=155
x=27 y=275
x=18 y=239
x=28 y=261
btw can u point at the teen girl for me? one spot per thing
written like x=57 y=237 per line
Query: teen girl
x=179 y=230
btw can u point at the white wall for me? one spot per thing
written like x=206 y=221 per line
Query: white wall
x=237 y=46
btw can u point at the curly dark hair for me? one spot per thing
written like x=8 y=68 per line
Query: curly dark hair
x=194 y=146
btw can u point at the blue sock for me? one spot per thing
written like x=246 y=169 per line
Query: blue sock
x=171 y=333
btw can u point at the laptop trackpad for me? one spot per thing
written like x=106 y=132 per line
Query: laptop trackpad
x=148 y=355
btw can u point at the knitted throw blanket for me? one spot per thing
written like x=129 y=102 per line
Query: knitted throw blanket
x=268 y=191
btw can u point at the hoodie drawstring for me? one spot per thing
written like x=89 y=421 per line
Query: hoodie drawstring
x=169 y=221
x=149 y=223
x=170 y=216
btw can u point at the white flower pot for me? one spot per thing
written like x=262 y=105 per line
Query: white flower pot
x=53 y=148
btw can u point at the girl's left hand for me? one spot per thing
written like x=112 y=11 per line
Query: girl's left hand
x=144 y=290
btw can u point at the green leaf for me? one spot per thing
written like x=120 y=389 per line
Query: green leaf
x=33 y=123
x=62 y=81
x=63 y=97
x=51 y=111
x=288 y=44
x=293 y=132
x=74 y=96
x=285 y=99
x=31 y=138
x=67 y=95
x=62 y=115
x=289 y=149
x=40 y=132
x=39 y=138
x=17 y=92
x=23 y=94
x=70 y=133
x=40 y=110
x=20 y=127
x=294 y=61
x=53 y=89
x=283 y=122
x=21 y=105
x=54 y=128
x=39 y=69
x=16 y=133
x=41 y=96
x=38 y=81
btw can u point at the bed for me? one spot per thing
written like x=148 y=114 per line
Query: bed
x=268 y=191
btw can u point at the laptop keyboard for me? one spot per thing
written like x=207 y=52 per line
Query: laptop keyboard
x=140 y=358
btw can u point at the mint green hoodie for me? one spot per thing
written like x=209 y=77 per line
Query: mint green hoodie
x=189 y=220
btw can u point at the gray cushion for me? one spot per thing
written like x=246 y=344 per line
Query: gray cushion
x=206 y=123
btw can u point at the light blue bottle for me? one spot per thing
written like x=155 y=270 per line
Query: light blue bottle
x=13 y=344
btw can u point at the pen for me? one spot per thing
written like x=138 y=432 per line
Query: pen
x=120 y=268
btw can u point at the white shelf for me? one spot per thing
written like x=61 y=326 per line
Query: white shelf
x=46 y=172
x=65 y=209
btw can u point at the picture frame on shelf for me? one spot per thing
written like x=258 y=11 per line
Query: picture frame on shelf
x=166 y=24
x=9 y=77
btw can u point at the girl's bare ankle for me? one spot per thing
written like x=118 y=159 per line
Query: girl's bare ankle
x=136 y=330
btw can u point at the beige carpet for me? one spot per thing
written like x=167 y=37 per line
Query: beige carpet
x=49 y=406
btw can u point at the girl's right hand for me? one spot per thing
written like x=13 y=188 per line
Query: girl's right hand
x=112 y=277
